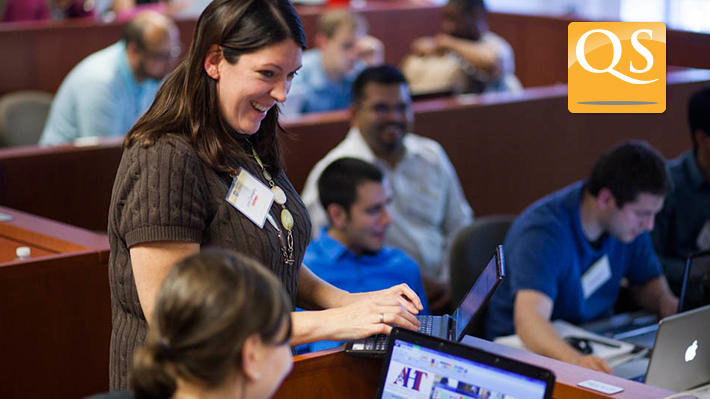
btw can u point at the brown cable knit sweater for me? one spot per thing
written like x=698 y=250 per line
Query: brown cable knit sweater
x=166 y=193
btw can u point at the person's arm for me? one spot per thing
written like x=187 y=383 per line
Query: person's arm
x=151 y=262
x=532 y=311
x=655 y=295
x=349 y=316
x=480 y=54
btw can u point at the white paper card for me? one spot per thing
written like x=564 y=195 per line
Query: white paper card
x=600 y=387
x=596 y=276
x=251 y=197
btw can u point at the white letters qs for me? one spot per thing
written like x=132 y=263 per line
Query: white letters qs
x=616 y=44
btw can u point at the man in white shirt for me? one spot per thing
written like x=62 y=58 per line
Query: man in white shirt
x=428 y=206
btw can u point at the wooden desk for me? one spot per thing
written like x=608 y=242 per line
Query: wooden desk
x=332 y=374
x=508 y=150
x=37 y=56
x=511 y=149
x=55 y=313
x=40 y=55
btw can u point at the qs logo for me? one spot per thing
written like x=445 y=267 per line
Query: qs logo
x=616 y=67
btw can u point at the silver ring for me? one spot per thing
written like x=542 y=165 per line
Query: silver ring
x=382 y=318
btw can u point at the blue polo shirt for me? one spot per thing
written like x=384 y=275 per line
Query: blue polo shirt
x=99 y=97
x=334 y=263
x=547 y=251
x=685 y=212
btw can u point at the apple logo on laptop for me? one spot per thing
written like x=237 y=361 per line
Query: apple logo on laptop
x=691 y=351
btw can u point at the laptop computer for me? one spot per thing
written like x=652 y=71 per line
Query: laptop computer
x=452 y=328
x=680 y=359
x=419 y=366
x=640 y=328
x=696 y=282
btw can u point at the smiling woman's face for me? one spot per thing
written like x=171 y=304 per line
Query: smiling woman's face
x=256 y=82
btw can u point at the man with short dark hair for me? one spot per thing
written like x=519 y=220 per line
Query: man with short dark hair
x=428 y=207
x=109 y=90
x=567 y=253
x=683 y=226
x=343 y=49
x=350 y=252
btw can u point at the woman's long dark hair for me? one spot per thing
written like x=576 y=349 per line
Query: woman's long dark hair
x=187 y=104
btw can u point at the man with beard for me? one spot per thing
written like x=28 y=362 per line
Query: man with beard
x=109 y=90
x=428 y=204
x=483 y=61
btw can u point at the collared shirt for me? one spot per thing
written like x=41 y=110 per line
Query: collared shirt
x=313 y=91
x=330 y=260
x=685 y=212
x=99 y=97
x=428 y=204
x=547 y=251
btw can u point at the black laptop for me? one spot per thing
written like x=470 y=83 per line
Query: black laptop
x=452 y=328
x=418 y=366
x=696 y=282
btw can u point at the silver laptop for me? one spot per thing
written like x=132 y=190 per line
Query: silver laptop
x=681 y=356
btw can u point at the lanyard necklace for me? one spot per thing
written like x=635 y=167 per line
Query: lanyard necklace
x=286 y=217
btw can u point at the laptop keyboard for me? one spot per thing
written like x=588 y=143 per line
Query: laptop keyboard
x=379 y=342
x=427 y=324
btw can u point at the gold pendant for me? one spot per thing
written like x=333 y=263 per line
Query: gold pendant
x=266 y=174
x=279 y=195
x=286 y=219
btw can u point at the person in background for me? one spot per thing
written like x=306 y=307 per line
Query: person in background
x=343 y=49
x=481 y=61
x=203 y=167
x=567 y=253
x=109 y=90
x=350 y=252
x=428 y=204
x=46 y=10
x=683 y=225
x=221 y=325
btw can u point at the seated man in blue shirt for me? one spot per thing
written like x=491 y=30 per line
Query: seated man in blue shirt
x=350 y=252
x=106 y=93
x=343 y=49
x=567 y=253
x=683 y=226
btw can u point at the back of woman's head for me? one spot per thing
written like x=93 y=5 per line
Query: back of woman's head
x=187 y=103
x=207 y=307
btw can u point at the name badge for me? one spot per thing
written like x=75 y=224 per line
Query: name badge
x=703 y=241
x=596 y=276
x=251 y=197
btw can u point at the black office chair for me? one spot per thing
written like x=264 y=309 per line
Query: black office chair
x=471 y=250
x=22 y=117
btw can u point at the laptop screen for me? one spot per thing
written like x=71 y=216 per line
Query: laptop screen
x=477 y=295
x=417 y=372
x=696 y=283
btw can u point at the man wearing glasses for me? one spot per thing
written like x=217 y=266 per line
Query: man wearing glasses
x=108 y=91
x=428 y=204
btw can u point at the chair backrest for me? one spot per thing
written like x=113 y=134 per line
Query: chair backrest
x=22 y=117
x=470 y=252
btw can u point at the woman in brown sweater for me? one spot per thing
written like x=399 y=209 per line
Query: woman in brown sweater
x=196 y=169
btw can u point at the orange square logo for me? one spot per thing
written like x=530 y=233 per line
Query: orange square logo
x=616 y=67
